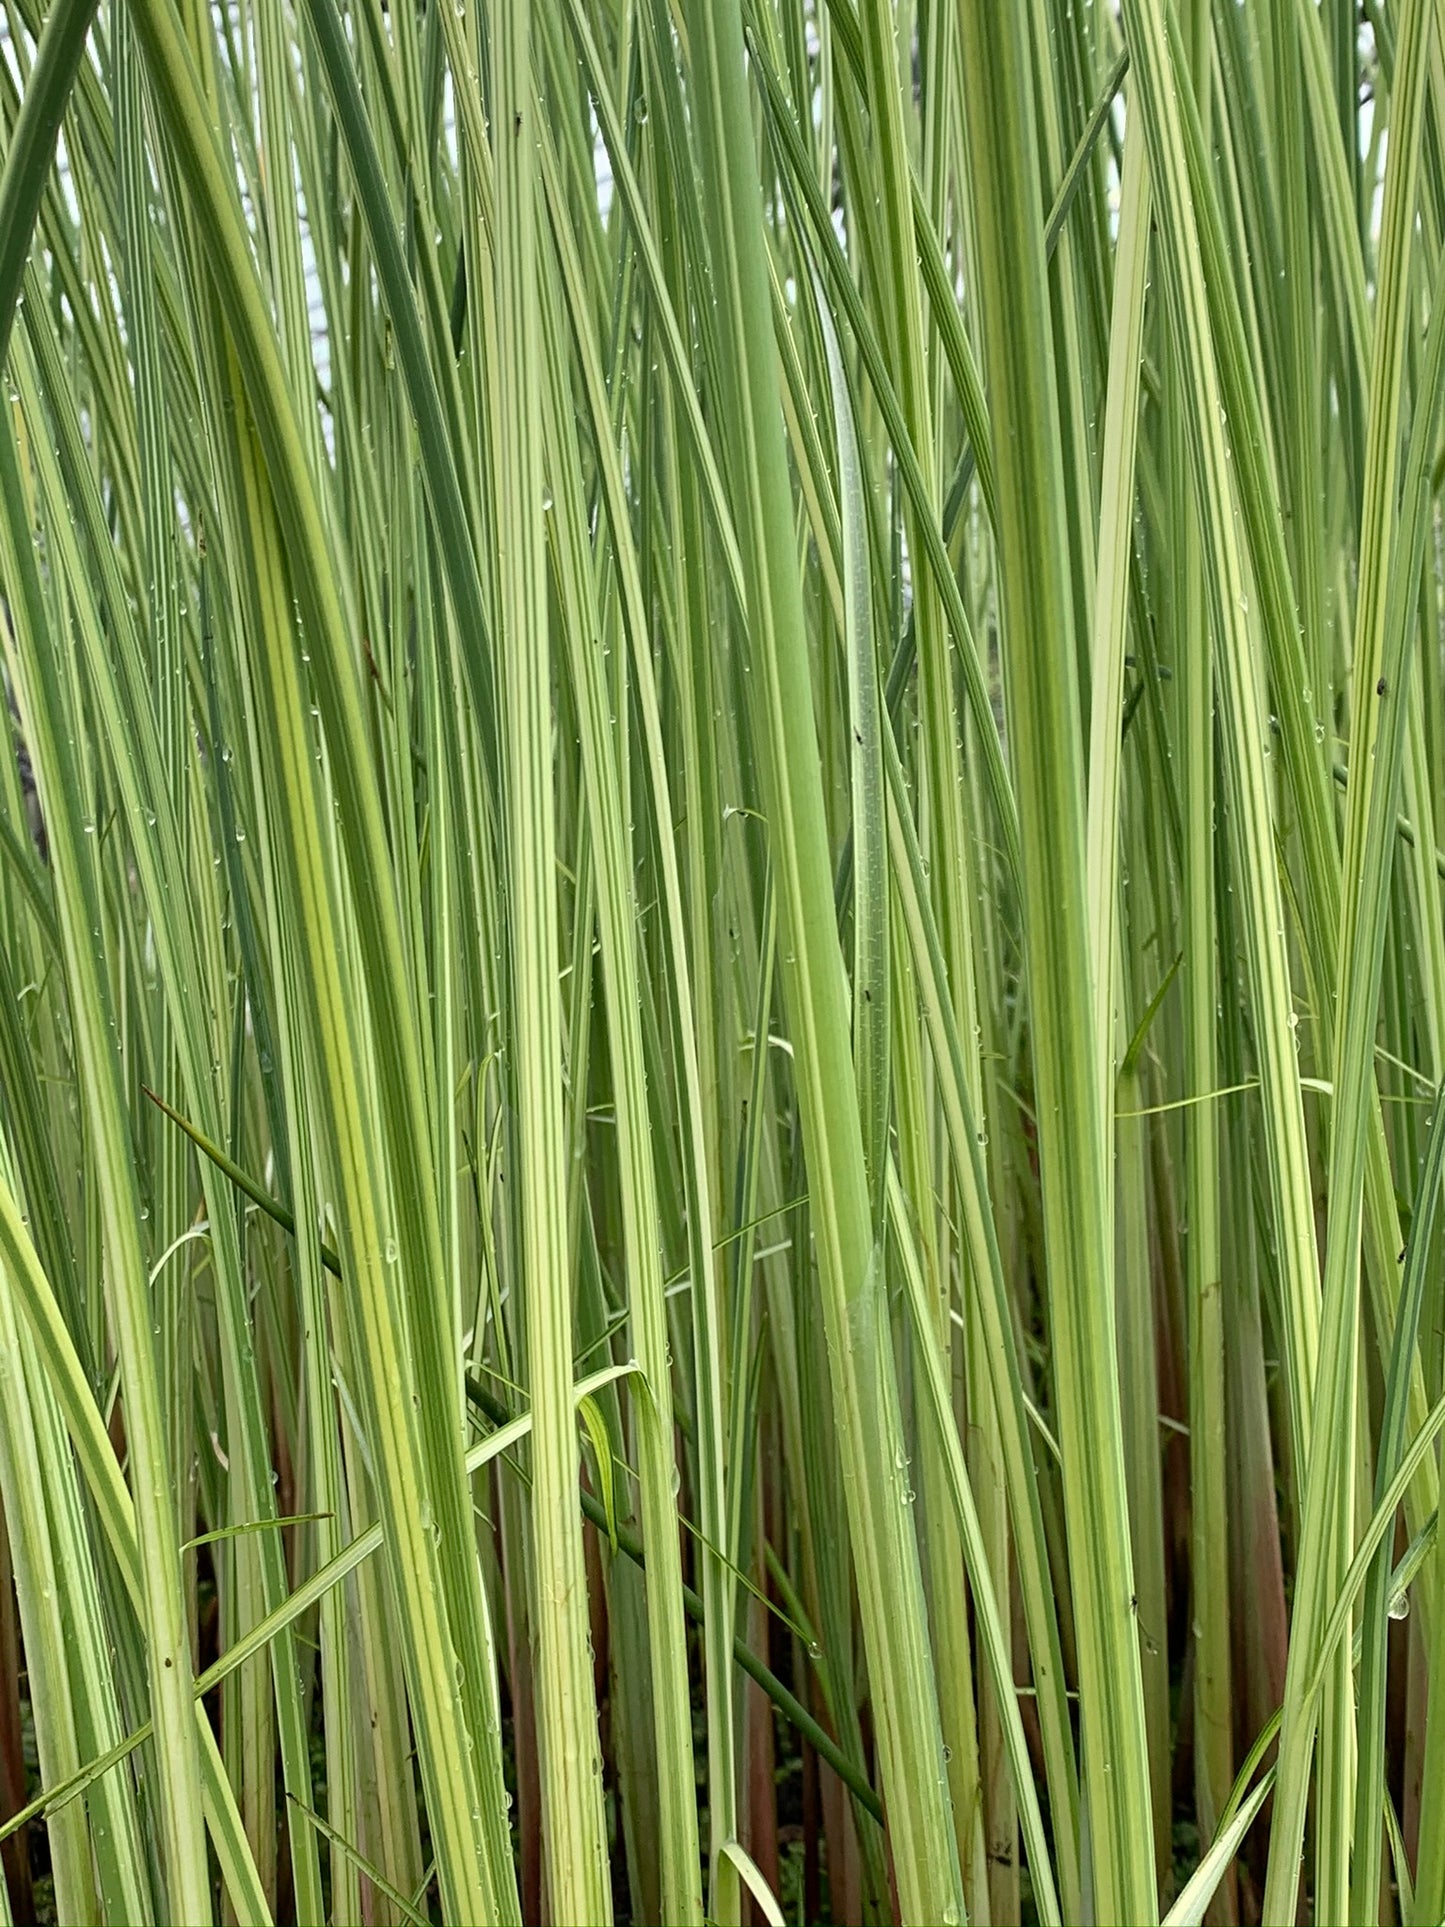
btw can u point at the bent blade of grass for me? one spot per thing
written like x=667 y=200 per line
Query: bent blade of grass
x=26 y=1280
x=41 y=1599
x=31 y=150
x=122 y=1876
x=168 y=1645
x=471 y=1882
x=258 y=1637
x=1190 y=1909
x=438 y=458
x=118 y=680
x=289 y=481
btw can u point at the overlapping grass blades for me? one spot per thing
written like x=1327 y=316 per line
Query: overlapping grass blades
x=740 y=706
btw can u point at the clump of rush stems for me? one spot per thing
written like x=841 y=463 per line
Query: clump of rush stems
x=722 y=978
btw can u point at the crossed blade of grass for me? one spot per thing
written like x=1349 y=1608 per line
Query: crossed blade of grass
x=498 y=1413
